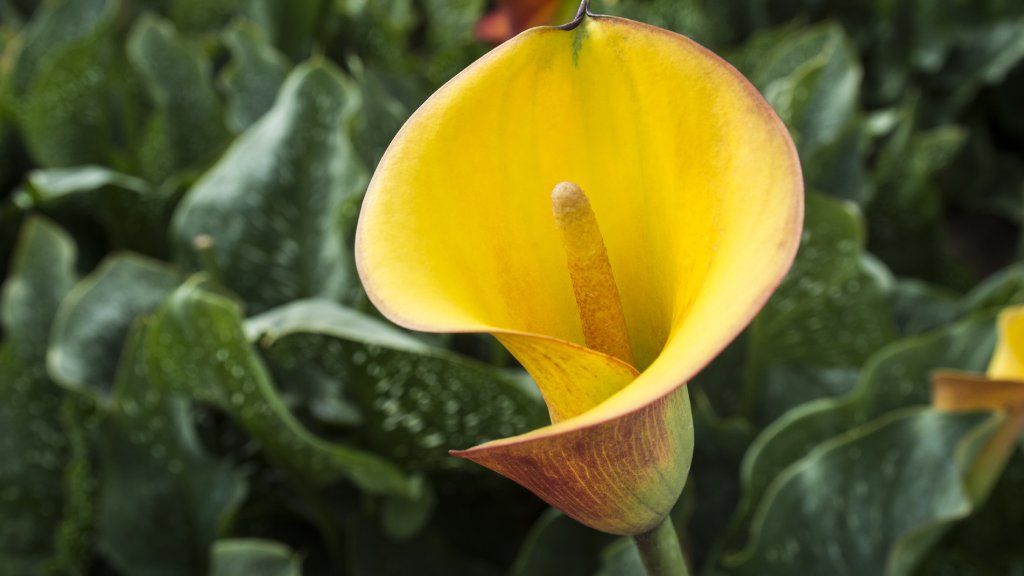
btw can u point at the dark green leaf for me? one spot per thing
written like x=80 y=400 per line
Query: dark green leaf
x=67 y=115
x=1002 y=289
x=621 y=559
x=253 y=77
x=449 y=36
x=705 y=22
x=904 y=216
x=291 y=24
x=416 y=402
x=896 y=377
x=53 y=28
x=186 y=128
x=825 y=319
x=42 y=273
x=251 y=557
x=196 y=346
x=811 y=78
x=163 y=499
x=202 y=15
x=35 y=447
x=979 y=544
x=985 y=180
x=134 y=215
x=272 y=204
x=75 y=536
x=713 y=490
x=33 y=450
x=984 y=57
x=371 y=553
x=919 y=307
x=93 y=321
x=854 y=505
x=839 y=168
x=387 y=102
x=13 y=158
x=560 y=546
x=403 y=518
x=382 y=32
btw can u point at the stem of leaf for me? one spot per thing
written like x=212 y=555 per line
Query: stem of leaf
x=203 y=245
x=660 y=551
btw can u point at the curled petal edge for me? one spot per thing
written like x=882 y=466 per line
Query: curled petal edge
x=620 y=475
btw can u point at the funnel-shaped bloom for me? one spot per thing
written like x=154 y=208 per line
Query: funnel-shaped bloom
x=1001 y=388
x=614 y=203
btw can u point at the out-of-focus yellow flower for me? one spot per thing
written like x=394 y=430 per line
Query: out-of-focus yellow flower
x=1001 y=388
x=614 y=203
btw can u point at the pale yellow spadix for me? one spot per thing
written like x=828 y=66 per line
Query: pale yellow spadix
x=694 y=190
x=593 y=283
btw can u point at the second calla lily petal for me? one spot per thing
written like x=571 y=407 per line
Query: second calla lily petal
x=697 y=194
x=1001 y=388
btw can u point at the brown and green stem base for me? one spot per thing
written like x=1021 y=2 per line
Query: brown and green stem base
x=660 y=551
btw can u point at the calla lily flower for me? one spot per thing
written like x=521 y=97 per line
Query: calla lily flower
x=1000 y=388
x=614 y=203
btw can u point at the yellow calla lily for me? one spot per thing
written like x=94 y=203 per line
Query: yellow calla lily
x=1001 y=388
x=614 y=203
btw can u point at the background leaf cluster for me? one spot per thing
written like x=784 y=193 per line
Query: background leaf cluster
x=192 y=380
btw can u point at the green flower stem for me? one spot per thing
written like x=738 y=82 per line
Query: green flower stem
x=660 y=551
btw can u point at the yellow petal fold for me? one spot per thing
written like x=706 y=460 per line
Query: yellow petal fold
x=620 y=476
x=960 y=392
x=572 y=379
x=697 y=191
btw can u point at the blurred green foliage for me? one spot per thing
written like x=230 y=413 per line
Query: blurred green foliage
x=192 y=380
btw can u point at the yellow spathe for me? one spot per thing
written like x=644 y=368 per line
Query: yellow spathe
x=697 y=193
x=693 y=179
